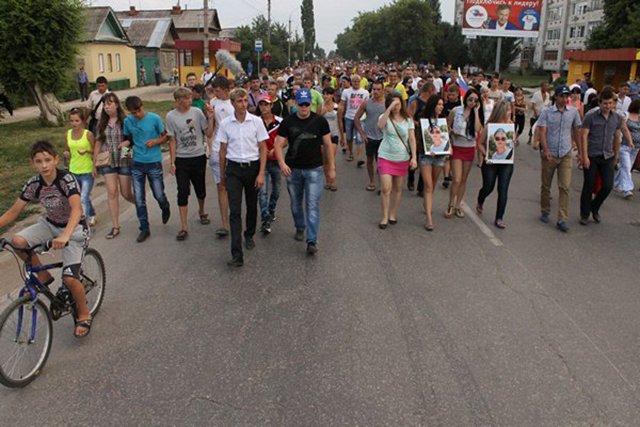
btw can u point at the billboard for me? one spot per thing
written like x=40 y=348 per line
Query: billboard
x=501 y=18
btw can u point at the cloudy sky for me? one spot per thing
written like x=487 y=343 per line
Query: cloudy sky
x=332 y=16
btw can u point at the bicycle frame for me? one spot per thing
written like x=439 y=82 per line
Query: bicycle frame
x=33 y=285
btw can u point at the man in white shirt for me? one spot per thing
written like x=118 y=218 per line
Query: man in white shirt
x=540 y=100
x=437 y=82
x=206 y=76
x=350 y=101
x=243 y=158
x=622 y=100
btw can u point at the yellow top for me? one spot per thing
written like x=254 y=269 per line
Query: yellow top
x=80 y=163
x=399 y=88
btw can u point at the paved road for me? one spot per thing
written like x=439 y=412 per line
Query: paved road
x=468 y=325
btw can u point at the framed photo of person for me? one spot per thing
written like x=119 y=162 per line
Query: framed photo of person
x=435 y=137
x=500 y=146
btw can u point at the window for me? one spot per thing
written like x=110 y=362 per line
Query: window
x=576 y=32
x=580 y=8
x=101 y=62
x=118 y=63
x=550 y=55
x=188 y=58
x=555 y=13
x=553 y=34
x=110 y=62
x=596 y=4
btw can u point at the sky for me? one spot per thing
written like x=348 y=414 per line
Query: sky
x=332 y=16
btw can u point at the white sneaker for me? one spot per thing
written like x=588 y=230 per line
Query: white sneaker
x=628 y=194
x=92 y=221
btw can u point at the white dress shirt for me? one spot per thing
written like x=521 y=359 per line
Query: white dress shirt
x=242 y=138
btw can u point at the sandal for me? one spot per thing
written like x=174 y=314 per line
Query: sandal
x=327 y=187
x=350 y=158
x=182 y=235
x=204 y=219
x=113 y=233
x=459 y=213
x=333 y=188
x=428 y=227
x=371 y=187
x=222 y=232
x=449 y=212
x=86 y=324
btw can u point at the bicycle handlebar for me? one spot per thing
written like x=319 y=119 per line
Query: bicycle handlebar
x=37 y=249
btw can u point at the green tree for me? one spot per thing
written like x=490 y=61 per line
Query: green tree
x=308 y=28
x=346 y=44
x=38 y=49
x=620 y=27
x=482 y=52
x=278 y=48
x=451 y=48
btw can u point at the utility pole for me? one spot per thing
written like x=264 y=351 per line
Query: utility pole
x=269 y=22
x=289 y=37
x=498 y=52
x=206 y=33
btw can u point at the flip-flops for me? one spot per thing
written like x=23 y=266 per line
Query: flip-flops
x=204 y=219
x=182 y=235
x=115 y=231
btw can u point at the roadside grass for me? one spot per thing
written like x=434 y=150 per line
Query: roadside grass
x=527 y=80
x=15 y=142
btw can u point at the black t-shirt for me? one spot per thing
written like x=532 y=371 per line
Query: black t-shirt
x=305 y=140
x=448 y=106
x=55 y=197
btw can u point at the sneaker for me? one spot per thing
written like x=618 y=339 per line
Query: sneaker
x=249 y=243
x=544 y=217
x=266 y=227
x=446 y=182
x=628 y=195
x=299 y=235
x=235 y=262
x=562 y=226
x=596 y=217
x=500 y=224
x=360 y=163
x=222 y=232
x=144 y=234
x=584 y=220
x=91 y=221
x=272 y=215
x=312 y=248
x=166 y=214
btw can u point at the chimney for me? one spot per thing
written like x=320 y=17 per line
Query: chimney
x=132 y=10
x=176 y=10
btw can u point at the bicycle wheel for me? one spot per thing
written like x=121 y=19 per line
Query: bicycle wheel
x=93 y=277
x=26 y=333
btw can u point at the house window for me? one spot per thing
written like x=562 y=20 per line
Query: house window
x=110 y=62
x=187 y=58
x=580 y=8
x=553 y=34
x=118 y=63
x=101 y=62
x=576 y=32
x=550 y=55
x=596 y=4
x=555 y=13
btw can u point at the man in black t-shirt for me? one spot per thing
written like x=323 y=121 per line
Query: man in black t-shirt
x=305 y=133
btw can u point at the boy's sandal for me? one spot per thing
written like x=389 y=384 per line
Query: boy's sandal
x=86 y=324
x=459 y=213
x=333 y=188
x=182 y=235
x=371 y=187
x=449 y=212
x=204 y=219
x=327 y=187
x=113 y=233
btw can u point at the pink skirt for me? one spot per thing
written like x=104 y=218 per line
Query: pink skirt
x=388 y=167
x=466 y=154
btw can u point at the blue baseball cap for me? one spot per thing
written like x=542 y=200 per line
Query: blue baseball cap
x=303 y=96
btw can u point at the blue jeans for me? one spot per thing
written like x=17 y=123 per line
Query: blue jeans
x=623 y=179
x=350 y=131
x=139 y=173
x=268 y=203
x=85 y=180
x=307 y=184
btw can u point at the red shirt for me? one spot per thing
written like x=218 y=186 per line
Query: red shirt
x=272 y=130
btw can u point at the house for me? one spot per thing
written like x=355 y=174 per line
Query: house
x=606 y=66
x=105 y=49
x=154 y=43
x=189 y=24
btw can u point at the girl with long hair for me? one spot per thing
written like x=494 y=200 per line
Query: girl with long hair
x=80 y=142
x=117 y=174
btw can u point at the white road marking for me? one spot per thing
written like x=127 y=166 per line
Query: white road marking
x=481 y=225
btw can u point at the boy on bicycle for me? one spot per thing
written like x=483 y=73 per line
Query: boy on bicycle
x=58 y=192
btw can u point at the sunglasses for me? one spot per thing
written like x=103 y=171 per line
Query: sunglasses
x=474 y=99
x=304 y=104
x=500 y=139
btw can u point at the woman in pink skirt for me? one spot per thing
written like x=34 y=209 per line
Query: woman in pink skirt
x=396 y=153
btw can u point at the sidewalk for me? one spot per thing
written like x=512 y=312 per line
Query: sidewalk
x=164 y=92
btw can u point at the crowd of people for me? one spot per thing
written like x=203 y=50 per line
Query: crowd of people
x=391 y=120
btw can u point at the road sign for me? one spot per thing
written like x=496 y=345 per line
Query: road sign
x=258 y=45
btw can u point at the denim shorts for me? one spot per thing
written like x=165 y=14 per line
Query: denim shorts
x=106 y=170
x=434 y=161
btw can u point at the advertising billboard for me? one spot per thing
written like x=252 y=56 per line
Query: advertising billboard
x=501 y=18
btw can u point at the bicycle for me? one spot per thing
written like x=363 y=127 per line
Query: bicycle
x=26 y=325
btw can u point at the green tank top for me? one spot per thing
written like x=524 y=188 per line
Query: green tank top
x=80 y=163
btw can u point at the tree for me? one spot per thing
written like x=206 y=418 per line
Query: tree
x=278 y=48
x=308 y=28
x=620 y=27
x=38 y=49
x=346 y=44
x=451 y=48
x=482 y=52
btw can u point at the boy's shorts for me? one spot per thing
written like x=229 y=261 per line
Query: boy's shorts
x=214 y=164
x=43 y=230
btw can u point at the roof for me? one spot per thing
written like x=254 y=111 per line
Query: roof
x=150 y=33
x=102 y=25
x=626 y=54
x=228 y=33
x=185 y=20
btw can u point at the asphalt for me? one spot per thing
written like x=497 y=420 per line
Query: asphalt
x=466 y=325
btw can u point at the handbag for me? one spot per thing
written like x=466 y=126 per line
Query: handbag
x=406 y=146
x=103 y=159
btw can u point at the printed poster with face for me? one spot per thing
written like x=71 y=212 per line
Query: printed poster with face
x=500 y=146
x=435 y=137
x=501 y=18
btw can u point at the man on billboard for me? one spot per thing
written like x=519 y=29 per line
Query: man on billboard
x=501 y=23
